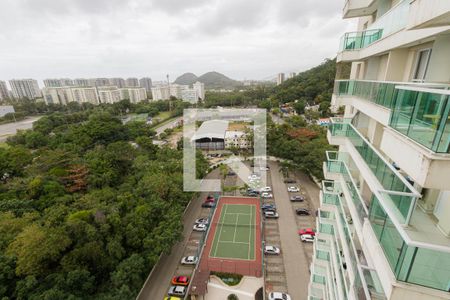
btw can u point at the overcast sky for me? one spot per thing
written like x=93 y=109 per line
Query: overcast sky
x=244 y=39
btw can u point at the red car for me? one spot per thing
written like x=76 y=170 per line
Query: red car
x=180 y=280
x=307 y=231
x=210 y=199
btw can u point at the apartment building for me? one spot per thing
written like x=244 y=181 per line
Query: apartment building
x=108 y=94
x=200 y=88
x=58 y=82
x=136 y=95
x=384 y=221
x=280 y=78
x=146 y=83
x=160 y=92
x=84 y=82
x=25 y=88
x=4 y=92
x=119 y=82
x=64 y=95
x=132 y=82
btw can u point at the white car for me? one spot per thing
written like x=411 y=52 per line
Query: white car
x=264 y=168
x=293 y=189
x=189 y=260
x=271 y=250
x=279 y=296
x=271 y=215
x=200 y=227
x=266 y=189
x=307 y=238
x=177 y=290
x=266 y=195
x=254 y=177
x=202 y=221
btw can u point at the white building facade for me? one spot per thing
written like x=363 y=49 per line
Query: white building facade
x=4 y=92
x=384 y=221
x=109 y=94
x=280 y=78
x=25 y=88
x=58 y=82
x=146 y=83
x=236 y=139
x=132 y=82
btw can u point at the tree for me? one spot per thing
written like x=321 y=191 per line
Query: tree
x=37 y=247
x=299 y=106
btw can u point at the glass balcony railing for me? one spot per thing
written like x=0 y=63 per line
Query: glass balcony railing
x=412 y=264
x=422 y=114
x=399 y=193
x=393 y=20
x=359 y=39
x=378 y=92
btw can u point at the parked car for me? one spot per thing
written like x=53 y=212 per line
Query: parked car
x=290 y=180
x=254 y=177
x=252 y=190
x=177 y=290
x=189 y=260
x=266 y=189
x=210 y=198
x=293 y=189
x=252 y=194
x=302 y=212
x=268 y=207
x=172 y=298
x=264 y=168
x=307 y=238
x=208 y=204
x=180 y=280
x=266 y=195
x=231 y=173
x=202 y=221
x=271 y=250
x=297 y=198
x=279 y=296
x=271 y=215
x=200 y=227
x=307 y=231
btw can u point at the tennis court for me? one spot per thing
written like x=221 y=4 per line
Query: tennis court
x=234 y=237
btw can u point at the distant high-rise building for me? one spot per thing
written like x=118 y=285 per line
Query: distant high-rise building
x=101 y=82
x=137 y=94
x=291 y=75
x=119 y=82
x=160 y=92
x=175 y=90
x=25 y=88
x=280 y=78
x=146 y=83
x=4 y=92
x=64 y=95
x=82 y=82
x=58 y=82
x=132 y=82
x=200 y=88
x=108 y=94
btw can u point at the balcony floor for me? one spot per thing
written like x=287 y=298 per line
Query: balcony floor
x=423 y=229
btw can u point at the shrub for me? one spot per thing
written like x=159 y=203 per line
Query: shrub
x=232 y=297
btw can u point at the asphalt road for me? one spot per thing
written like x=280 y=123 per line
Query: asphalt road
x=9 y=129
x=296 y=255
x=171 y=124
x=156 y=287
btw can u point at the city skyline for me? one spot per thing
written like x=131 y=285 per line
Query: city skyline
x=243 y=41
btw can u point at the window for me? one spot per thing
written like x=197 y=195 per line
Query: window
x=423 y=57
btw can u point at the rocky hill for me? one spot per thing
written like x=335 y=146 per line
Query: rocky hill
x=212 y=80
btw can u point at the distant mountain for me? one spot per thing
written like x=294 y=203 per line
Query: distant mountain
x=186 y=78
x=212 y=80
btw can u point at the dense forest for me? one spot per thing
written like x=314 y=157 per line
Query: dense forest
x=87 y=205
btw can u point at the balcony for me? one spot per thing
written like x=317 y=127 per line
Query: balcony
x=366 y=284
x=358 y=8
x=400 y=195
x=412 y=244
x=422 y=114
x=414 y=262
x=428 y=13
x=393 y=20
x=359 y=39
